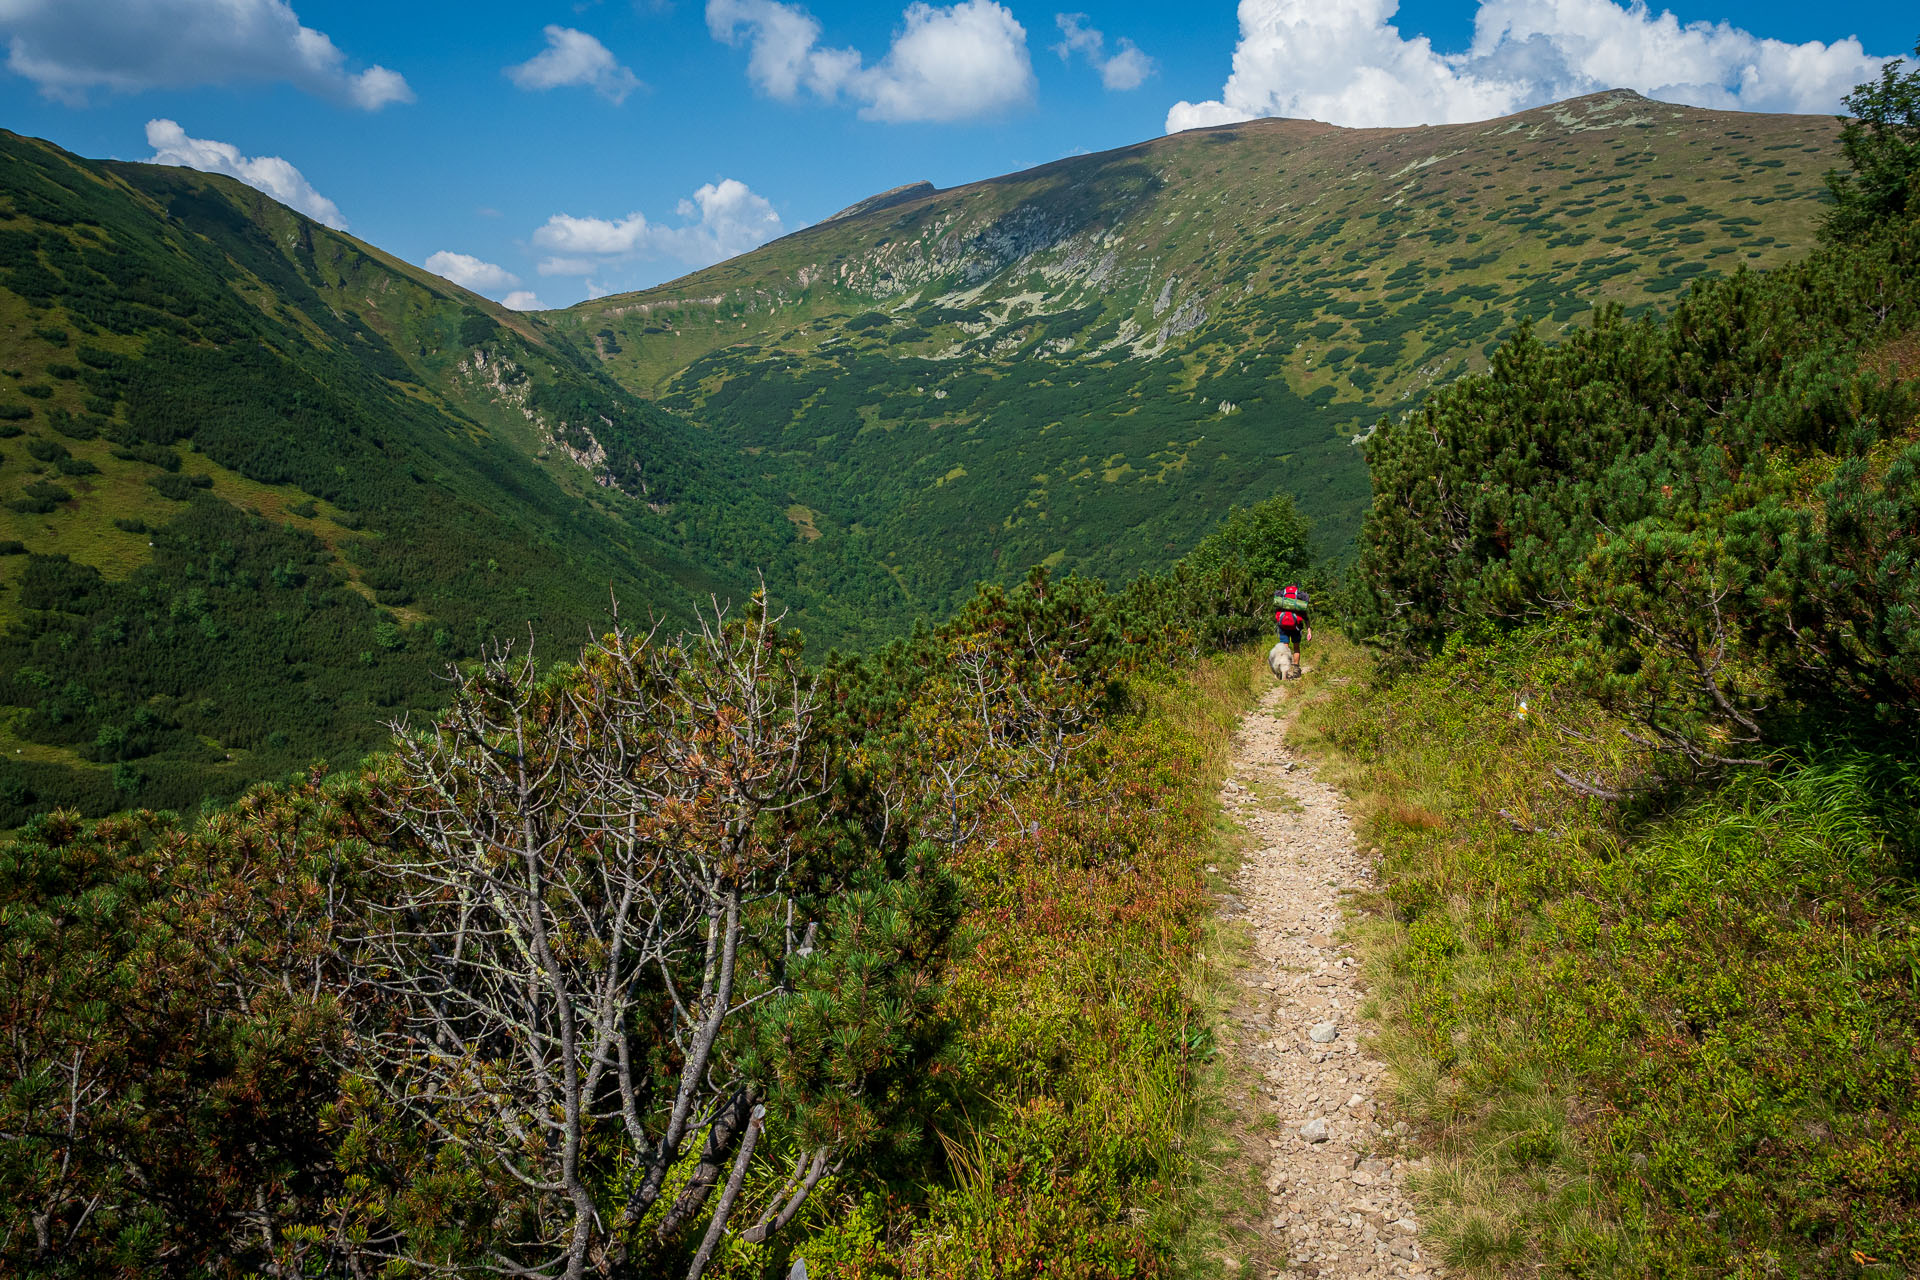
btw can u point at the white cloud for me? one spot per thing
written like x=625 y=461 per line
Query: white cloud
x=522 y=300
x=731 y=220
x=69 y=47
x=721 y=220
x=575 y=58
x=471 y=273
x=567 y=266
x=1344 y=62
x=949 y=64
x=946 y=63
x=567 y=234
x=376 y=87
x=1128 y=68
x=270 y=174
x=781 y=57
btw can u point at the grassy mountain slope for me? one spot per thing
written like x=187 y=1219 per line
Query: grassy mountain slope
x=1087 y=362
x=258 y=481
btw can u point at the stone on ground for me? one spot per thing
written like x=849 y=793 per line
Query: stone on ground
x=1339 y=1201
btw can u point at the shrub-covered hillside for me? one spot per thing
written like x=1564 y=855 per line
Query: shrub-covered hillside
x=1092 y=360
x=1717 y=507
x=1641 y=765
x=683 y=959
x=258 y=481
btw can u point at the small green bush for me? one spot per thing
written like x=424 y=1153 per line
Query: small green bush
x=40 y=498
x=73 y=428
x=178 y=487
x=151 y=454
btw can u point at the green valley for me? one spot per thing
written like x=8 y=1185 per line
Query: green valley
x=259 y=482
x=1083 y=364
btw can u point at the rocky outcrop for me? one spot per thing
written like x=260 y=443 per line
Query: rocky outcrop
x=507 y=384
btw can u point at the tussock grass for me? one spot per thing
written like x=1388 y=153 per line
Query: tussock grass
x=1672 y=1037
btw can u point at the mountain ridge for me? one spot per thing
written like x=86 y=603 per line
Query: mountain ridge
x=259 y=481
x=1281 y=128
x=217 y=413
x=1219 y=313
x=884 y=200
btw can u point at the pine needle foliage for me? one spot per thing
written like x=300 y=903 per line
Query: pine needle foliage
x=1719 y=501
x=1880 y=136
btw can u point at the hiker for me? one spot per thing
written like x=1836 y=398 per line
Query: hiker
x=1290 y=620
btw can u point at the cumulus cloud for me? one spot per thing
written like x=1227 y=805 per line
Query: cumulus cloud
x=728 y=219
x=471 y=273
x=721 y=220
x=575 y=58
x=1125 y=68
x=946 y=63
x=1344 y=62
x=270 y=174
x=567 y=234
x=125 y=46
x=522 y=300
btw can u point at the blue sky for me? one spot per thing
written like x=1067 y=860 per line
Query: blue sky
x=517 y=141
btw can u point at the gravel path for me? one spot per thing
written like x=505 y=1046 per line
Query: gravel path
x=1338 y=1203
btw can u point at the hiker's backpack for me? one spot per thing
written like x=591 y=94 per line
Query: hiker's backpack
x=1290 y=609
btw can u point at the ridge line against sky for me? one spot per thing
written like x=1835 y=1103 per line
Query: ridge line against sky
x=544 y=152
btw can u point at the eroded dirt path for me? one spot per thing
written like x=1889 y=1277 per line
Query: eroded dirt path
x=1336 y=1177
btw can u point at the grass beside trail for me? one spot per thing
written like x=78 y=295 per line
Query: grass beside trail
x=1679 y=1038
x=1084 y=1047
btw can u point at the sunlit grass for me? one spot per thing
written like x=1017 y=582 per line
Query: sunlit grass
x=1089 y=1139
x=1656 y=1039
x=84 y=528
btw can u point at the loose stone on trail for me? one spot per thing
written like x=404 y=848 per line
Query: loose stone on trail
x=1338 y=1206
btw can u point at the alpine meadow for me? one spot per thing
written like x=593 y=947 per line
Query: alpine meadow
x=781 y=773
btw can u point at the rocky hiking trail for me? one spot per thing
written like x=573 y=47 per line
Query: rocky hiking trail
x=1304 y=1088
